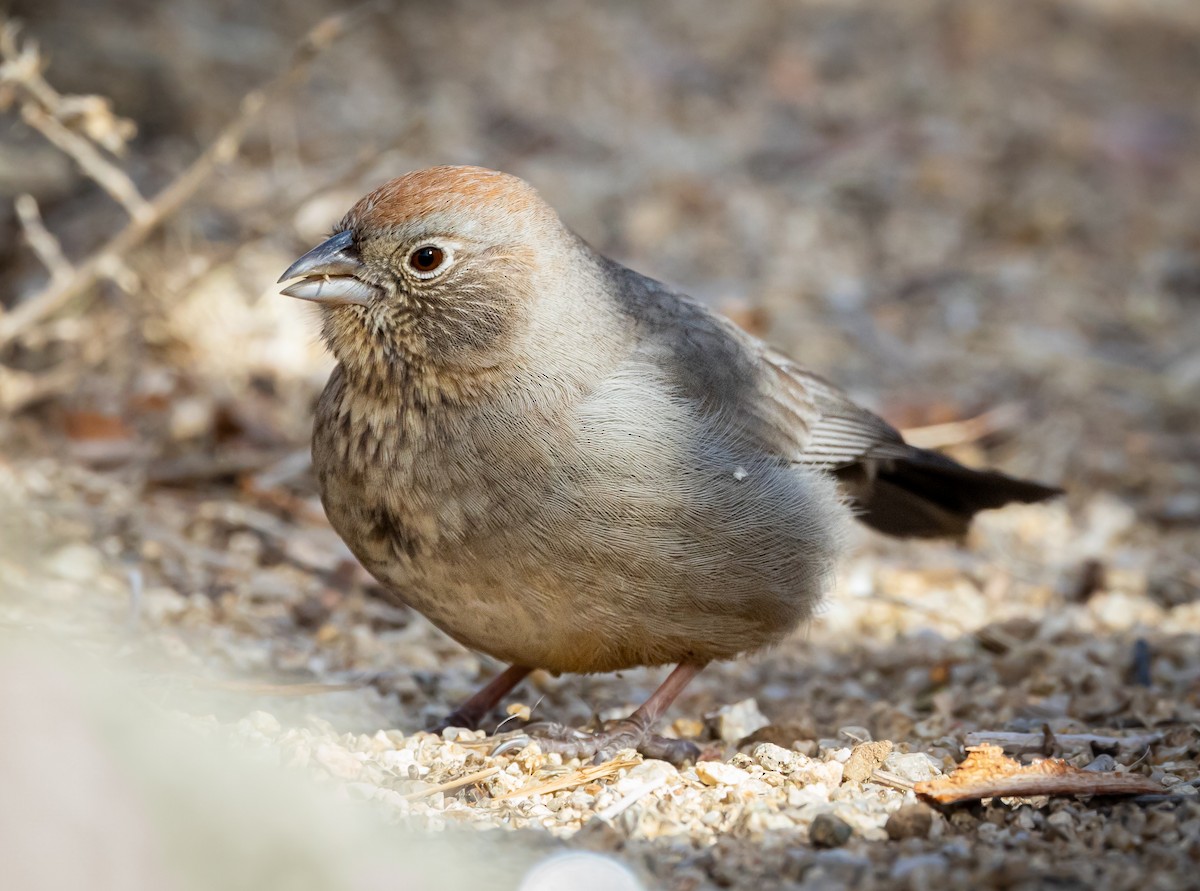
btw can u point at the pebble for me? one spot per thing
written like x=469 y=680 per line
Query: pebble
x=580 y=871
x=864 y=759
x=911 y=821
x=915 y=766
x=737 y=721
x=829 y=831
x=649 y=773
x=717 y=773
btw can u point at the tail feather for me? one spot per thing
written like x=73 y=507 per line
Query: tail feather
x=927 y=495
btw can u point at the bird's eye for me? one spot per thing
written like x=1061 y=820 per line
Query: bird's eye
x=427 y=259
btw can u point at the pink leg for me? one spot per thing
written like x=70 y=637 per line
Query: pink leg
x=633 y=732
x=475 y=709
x=660 y=700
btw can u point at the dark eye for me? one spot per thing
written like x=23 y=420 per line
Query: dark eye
x=426 y=259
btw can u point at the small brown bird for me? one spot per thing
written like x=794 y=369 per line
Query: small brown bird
x=569 y=466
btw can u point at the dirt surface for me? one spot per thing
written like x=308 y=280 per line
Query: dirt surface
x=948 y=208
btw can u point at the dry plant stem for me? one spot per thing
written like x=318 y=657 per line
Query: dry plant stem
x=987 y=773
x=457 y=783
x=952 y=433
x=577 y=778
x=103 y=172
x=40 y=239
x=888 y=778
x=471 y=712
x=22 y=68
x=167 y=202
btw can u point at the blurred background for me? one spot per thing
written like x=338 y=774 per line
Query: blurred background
x=981 y=218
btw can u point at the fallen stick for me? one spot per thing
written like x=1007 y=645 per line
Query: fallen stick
x=988 y=773
x=576 y=778
x=450 y=785
x=952 y=433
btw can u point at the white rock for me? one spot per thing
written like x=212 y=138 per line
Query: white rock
x=580 y=871
x=915 y=766
x=648 y=773
x=777 y=758
x=716 y=773
x=737 y=721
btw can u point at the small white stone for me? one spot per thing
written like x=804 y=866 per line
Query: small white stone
x=717 y=773
x=914 y=766
x=648 y=773
x=581 y=871
x=777 y=758
x=737 y=721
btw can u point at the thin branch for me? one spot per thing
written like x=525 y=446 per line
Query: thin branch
x=987 y=773
x=968 y=430
x=105 y=173
x=574 y=778
x=167 y=202
x=457 y=783
x=41 y=241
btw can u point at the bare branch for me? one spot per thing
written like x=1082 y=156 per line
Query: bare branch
x=106 y=174
x=167 y=202
x=987 y=773
x=41 y=241
x=953 y=433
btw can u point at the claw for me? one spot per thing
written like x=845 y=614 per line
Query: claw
x=511 y=744
x=601 y=746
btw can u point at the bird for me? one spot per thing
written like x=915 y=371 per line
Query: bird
x=573 y=467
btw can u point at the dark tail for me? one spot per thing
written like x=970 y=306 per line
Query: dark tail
x=927 y=495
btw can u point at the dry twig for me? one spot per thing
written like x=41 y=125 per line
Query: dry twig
x=41 y=241
x=167 y=202
x=952 y=433
x=99 y=169
x=575 y=778
x=987 y=773
x=460 y=782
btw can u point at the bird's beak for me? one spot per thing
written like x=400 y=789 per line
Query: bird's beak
x=329 y=274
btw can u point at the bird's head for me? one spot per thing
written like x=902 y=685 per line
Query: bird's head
x=438 y=269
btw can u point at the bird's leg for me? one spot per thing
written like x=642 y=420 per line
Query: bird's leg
x=633 y=732
x=475 y=709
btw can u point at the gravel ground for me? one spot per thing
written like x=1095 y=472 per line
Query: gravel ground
x=947 y=207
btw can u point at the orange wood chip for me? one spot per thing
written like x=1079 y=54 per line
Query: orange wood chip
x=988 y=773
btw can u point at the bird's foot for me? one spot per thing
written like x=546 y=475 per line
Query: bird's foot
x=601 y=745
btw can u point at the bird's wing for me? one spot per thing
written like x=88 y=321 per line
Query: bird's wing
x=750 y=390
x=760 y=397
x=838 y=433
